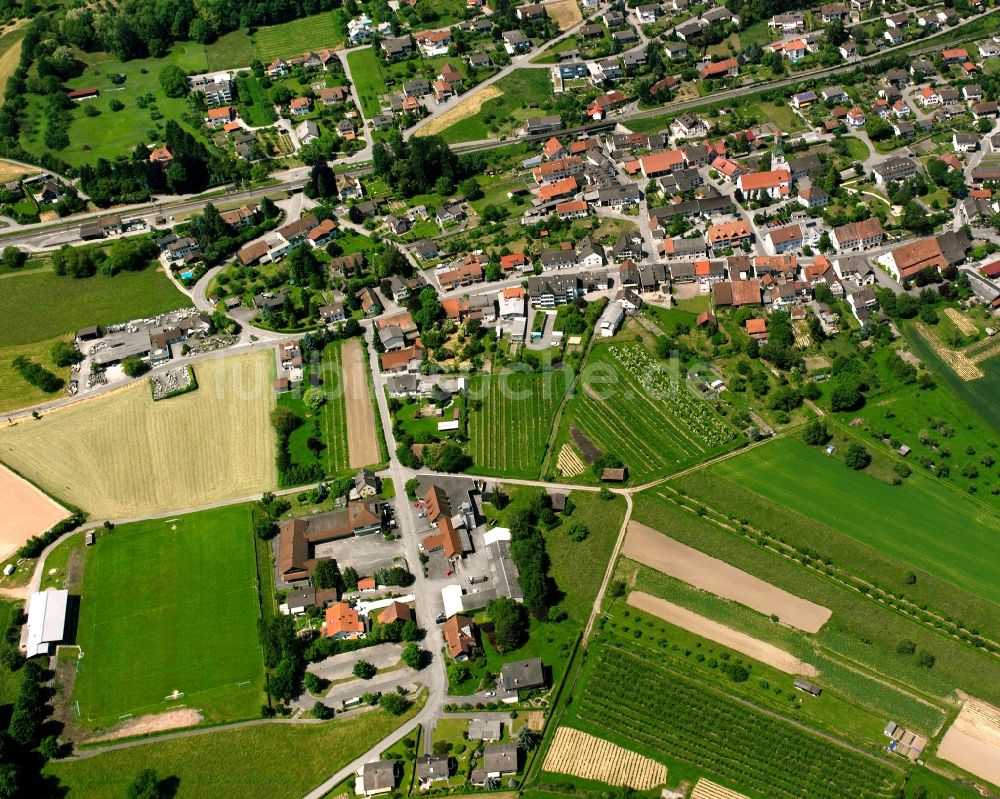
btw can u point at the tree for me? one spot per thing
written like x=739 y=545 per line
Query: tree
x=846 y=394
x=265 y=529
x=364 y=670
x=350 y=578
x=64 y=353
x=134 y=366
x=471 y=189
x=284 y=420
x=395 y=704
x=816 y=433
x=926 y=660
x=327 y=574
x=413 y=656
x=577 y=530
x=510 y=623
x=145 y=785
x=314 y=398
x=174 y=81
x=527 y=738
x=13 y=258
x=857 y=457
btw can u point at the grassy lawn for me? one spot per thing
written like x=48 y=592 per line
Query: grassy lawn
x=294 y=38
x=114 y=133
x=526 y=93
x=510 y=431
x=366 y=70
x=922 y=522
x=991 y=66
x=862 y=634
x=232 y=50
x=204 y=764
x=38 y=305
x=255 y=107
x=857 y=149
x=578 y=566
x=189 y=624
x=758 y=33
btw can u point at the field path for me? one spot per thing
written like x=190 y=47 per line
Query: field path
x=658 y=551
x=721 y=634
x=362 y=441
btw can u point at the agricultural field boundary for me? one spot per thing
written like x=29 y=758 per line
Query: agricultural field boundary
x=657 y=550
x=721 y=634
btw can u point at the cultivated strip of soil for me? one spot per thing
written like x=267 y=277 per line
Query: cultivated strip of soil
x=721 y=634
x=973 y=741
x=362 y=444
x=656 y=550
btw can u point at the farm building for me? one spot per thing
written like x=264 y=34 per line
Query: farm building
x=612 y=475
x=808 y=687
x=46 y=621
x=508 y=579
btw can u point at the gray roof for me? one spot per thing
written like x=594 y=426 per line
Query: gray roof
x=379 y=775
x=523 y=674
x=432 y=768
x=485 y=729
x=500 y=758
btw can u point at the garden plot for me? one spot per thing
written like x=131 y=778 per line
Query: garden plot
x=509 y=431
x=631 y=407
x=973 y=741
x=569 y=462
x=958 y=362
x=652 y=548
x=721 y=634
x=582 y=755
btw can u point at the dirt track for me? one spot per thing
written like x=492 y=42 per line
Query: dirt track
x=362 y=444
x=727 y=636
x=973 y=741
x=26 y=512
x=654 y=549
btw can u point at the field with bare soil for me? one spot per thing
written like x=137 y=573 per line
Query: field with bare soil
x=362 y=441
x=26 y=512
x=721 y=634
x=582 y=755
x=564 y=13
x=656 y=550
x=973 y=741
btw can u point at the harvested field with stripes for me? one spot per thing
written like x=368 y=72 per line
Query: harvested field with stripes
x=958 y=362
x=973 y=740
x=511 y=421
x=962 y=322
x=569 y=462
x=582 y=755
x=630 y=407
x=983 y=350
x=706 y=789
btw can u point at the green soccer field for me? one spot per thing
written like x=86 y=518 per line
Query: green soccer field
x=923 y=522
x=171 y=605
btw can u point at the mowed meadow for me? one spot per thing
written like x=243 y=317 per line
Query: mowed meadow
x=124 y=456
x=924 y=523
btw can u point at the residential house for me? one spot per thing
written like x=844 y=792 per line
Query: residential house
x=729 y=234
x=378 y=777
x=460 y=637
x=774 y=184
x=858 y=235
x=784 y=239
x=895 y=169
x=726 y=68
